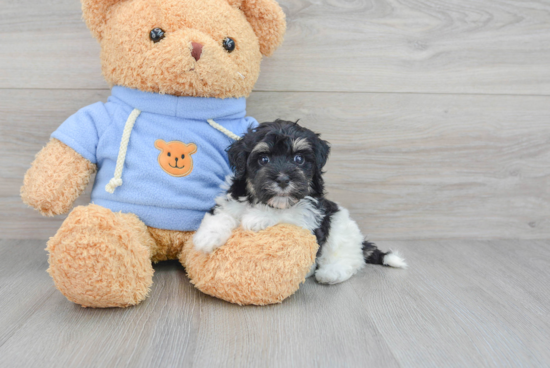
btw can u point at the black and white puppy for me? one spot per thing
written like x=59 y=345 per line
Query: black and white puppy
x=278 y=179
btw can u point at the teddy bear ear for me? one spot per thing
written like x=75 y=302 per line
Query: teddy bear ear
x=160 y=144
x=267 y=20
x=95 y=14
x=192 y=148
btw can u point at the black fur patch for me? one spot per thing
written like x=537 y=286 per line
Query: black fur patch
x=372 y=254
x=329 y=208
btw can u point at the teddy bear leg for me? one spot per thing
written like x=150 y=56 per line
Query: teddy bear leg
x=169 y=243
x=256 y=268
x=102 y=259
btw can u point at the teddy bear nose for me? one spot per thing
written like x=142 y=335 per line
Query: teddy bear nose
x=197 y=50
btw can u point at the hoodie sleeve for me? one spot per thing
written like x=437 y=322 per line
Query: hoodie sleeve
x=82 y=130
x=251 y=123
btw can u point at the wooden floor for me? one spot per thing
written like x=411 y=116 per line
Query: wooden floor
x=438 y=112
x=460 y=304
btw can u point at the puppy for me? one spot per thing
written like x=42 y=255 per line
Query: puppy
x=278 y=179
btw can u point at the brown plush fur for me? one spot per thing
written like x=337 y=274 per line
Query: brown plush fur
x=103 y=259
x=131 y=59
x=57 y=177
x=268 y=21
x=254 y=268
x=169 y=243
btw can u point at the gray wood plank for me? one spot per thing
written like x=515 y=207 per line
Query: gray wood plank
x=408 y=166
x=464 y=303
x=167 y=329
x=316 y=327
x=461 y=303
x=24 y=284
x=57 y=333
x=467 y=46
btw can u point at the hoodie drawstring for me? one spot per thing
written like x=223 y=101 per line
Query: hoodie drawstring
x=228 y=133
x=116 y=181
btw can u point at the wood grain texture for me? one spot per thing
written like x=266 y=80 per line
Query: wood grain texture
x=449 y=46
x=486 y=298
x=24 y=284
x=407 y=166
x=460 y=304
x=60 y=333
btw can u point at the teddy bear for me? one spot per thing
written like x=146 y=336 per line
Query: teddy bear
x=180 y=72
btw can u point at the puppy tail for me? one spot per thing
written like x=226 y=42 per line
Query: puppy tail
x=374 y=255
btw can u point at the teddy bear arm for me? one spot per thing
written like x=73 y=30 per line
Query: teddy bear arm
x=56 y=178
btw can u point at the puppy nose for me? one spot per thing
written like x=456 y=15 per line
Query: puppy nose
x=197 y=50
x=283 y=180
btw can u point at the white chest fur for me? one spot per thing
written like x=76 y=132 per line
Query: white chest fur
x=304 y=214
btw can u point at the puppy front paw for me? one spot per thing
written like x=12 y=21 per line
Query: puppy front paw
x=256 y=222
x=333 y=274
x=208 y=240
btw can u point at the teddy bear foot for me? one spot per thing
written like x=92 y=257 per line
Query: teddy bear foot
x=101 y=259
x=257 y=268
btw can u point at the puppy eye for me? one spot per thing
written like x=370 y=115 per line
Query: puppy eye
x=169 y=154
x=228 y=44
x=263 y=160
x=156 y=35
x=182 y=157
x=299 y=159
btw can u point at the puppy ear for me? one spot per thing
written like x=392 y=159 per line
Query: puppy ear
x=267 y=20
x=238 y=156
x=95 y=13
x=322 y=150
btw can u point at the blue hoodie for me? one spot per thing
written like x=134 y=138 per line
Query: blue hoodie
x=160 y=199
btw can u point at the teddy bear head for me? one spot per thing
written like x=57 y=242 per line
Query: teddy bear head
x=206 y=48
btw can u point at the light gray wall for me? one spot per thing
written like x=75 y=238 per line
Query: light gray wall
x=438 y=112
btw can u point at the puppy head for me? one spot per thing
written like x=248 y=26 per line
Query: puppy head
x=278 y=164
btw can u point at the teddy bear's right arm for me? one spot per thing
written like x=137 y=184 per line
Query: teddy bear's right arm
x=57 y=177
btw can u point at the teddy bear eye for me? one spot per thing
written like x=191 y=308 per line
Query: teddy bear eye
x=182 y=157
x=228 y=44
x=169 y=154
x=156 y=35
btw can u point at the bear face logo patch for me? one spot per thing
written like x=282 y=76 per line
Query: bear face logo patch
x=175 y=157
